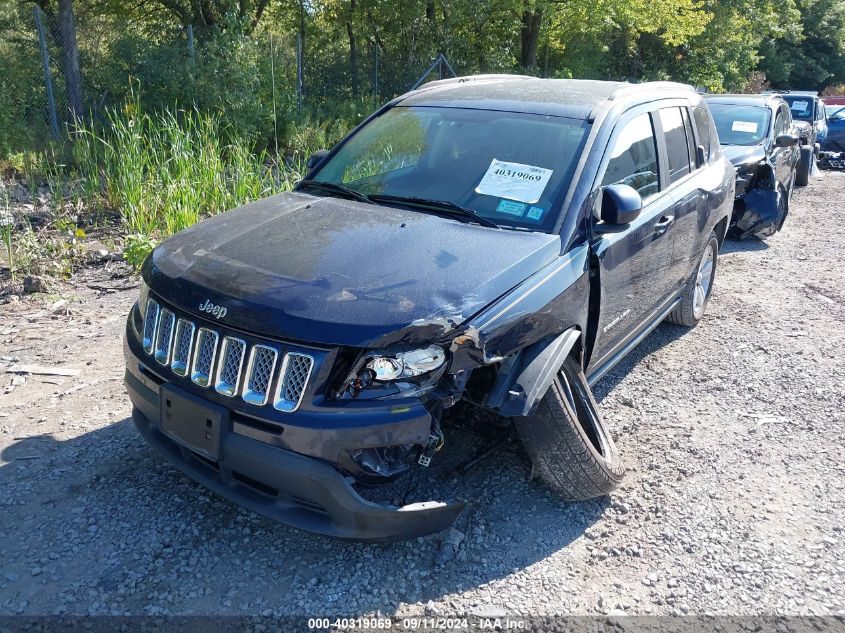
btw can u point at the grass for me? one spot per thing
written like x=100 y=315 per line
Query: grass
x=162 y=172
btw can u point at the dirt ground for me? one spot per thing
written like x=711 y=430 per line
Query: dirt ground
x=732 y=435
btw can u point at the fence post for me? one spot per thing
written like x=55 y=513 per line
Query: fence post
x=298 y=70
x=48 y=79
x=375 y=69
x=273 y=81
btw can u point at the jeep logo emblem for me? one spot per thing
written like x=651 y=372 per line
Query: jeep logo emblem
x=218 y=311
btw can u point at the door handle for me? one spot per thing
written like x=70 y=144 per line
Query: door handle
x=663 y=224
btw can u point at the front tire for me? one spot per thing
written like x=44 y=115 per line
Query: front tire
x=805 y=166
x=570 y=448
x=698 y=288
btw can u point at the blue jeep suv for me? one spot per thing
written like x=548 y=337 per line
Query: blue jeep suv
x=496 y=241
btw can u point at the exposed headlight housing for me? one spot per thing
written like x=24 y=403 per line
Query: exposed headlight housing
x=406 y=364
x=395 y=374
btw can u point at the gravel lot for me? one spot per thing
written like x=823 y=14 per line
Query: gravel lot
x=732 y=435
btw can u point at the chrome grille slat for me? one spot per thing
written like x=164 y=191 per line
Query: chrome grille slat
x=150 y=324
x=259 y=374
x=183 y=342
x=229 y=368
x=164 y=337
x=232 y=367
x=296 y=370
x=205 y=352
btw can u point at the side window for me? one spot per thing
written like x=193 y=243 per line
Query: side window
x=634 y=158
x=787 y=117
x=821 y=112
x=703 y=125
x=780 y=123
x=677 y=146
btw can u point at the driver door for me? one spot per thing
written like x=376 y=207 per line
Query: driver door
x=634 y=259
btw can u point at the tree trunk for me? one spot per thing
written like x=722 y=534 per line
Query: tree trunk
x=353 y=49
x=65 y=34
x=529 y=35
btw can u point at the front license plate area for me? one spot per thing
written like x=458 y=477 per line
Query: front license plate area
x=193 y=422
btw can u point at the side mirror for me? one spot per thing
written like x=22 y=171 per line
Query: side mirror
x=620 y=204
x=700 y=156
x=316 y=158
x=786 y=140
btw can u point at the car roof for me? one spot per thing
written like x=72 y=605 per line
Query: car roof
x=798 y=95
x=573 y=98
x=743 y=99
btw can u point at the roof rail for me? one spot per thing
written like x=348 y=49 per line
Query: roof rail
x=651 y=85
x=468 y=78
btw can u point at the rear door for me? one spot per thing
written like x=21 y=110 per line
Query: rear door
x=678 y=140
x=633 y=259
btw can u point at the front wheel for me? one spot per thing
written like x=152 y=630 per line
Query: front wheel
x=571 y=450
x=698 y=288
x=805 y=166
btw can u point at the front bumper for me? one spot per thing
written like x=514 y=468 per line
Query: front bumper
x=294 y=489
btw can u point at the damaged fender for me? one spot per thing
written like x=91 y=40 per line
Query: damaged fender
x=764 y=213
x=529 y=332
x=530 y=378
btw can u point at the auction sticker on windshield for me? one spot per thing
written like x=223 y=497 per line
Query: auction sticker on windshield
x=744 y=126
x=800 y=106
x=514 y=181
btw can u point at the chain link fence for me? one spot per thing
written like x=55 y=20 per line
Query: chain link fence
x=259 y=83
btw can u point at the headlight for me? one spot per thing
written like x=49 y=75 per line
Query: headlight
x=395 y=374
x=143 y=294
x=406 y=364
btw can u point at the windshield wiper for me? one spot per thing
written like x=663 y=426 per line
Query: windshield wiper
x=331 y=187
x=441 y=206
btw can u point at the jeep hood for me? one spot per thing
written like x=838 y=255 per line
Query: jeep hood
x=340 y=272
x=744 y=154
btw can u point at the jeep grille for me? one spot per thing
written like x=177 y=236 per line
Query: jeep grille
x=232 y=366
x=204 y=356
x=229 y=369
x=259 y=373
x=164 y=336
x=296 y=369
x=183 y=340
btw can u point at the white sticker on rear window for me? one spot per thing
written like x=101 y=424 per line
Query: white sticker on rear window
x=801 y=106
x=744 y=126
x=514 y=181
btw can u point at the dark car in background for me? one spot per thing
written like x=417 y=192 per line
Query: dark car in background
x=501 y=241
x=835 y=140
x=758 y=136
x=808 y=112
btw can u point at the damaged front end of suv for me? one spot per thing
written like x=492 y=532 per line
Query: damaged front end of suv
x=760 y=208
x=759 y=137
x=302 y=355
x=283 y=383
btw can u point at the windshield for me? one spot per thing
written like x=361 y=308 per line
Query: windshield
x=740 y=125
x=512 y=168
x=801 y=106
x=839 y=114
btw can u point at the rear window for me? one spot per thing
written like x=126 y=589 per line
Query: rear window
x=677 y=144
x=740 y=125
x=801 y=106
